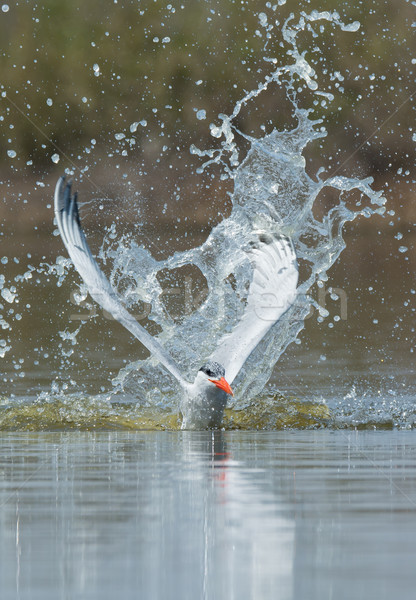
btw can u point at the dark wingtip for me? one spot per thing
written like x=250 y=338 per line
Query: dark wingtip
x=60 y=196
x=65 y=202
x=76 y=208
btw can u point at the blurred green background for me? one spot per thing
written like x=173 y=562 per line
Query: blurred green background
x=76 y=74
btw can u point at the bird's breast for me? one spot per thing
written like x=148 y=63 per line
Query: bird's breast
x=203 y=409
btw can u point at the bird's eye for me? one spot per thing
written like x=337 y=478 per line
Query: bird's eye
x=208 y=369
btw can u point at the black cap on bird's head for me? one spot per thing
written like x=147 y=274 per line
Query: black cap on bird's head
x=216 y=374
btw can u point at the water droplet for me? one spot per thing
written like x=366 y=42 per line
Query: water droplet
x=119 y=136
x=49 y=101
x=166 y=40
x=11 y=153
x=355 y=26
x=403 y=249
x=5 y=8
x=201 y=115
x=216 y=132
x=8 y=295
x=55 y=158
x=263 y=19
x=3 y=348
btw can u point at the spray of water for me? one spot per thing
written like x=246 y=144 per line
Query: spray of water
x=272 y=193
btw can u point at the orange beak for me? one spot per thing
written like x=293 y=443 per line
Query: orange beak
x=223 y=385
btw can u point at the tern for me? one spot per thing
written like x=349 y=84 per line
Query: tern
x=271 y=293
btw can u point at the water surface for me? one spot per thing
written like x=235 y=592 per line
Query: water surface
x=300 y=514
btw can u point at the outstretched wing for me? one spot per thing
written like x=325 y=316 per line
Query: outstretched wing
x=100 y=289
x=272 y=291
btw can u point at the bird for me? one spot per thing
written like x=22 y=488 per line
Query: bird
x=271 y=293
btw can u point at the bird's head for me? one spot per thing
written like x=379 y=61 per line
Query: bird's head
x=215 y=373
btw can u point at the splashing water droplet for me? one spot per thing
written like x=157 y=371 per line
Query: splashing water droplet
x=263 y=19
x=216 y=132
x=8 y=295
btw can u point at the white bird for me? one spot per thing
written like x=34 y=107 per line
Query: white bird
x=271 y=292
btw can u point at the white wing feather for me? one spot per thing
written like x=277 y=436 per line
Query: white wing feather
x=100 y=289
x=272 y=291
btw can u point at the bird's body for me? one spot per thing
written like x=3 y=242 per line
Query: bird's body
x=202 y=404
x=272 y=291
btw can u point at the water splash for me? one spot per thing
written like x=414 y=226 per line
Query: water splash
x=55 y=412
x=273 y=193
x=361 y=409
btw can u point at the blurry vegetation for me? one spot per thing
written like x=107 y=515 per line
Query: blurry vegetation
x=76 y=74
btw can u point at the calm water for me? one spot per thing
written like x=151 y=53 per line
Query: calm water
x=301 y=514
